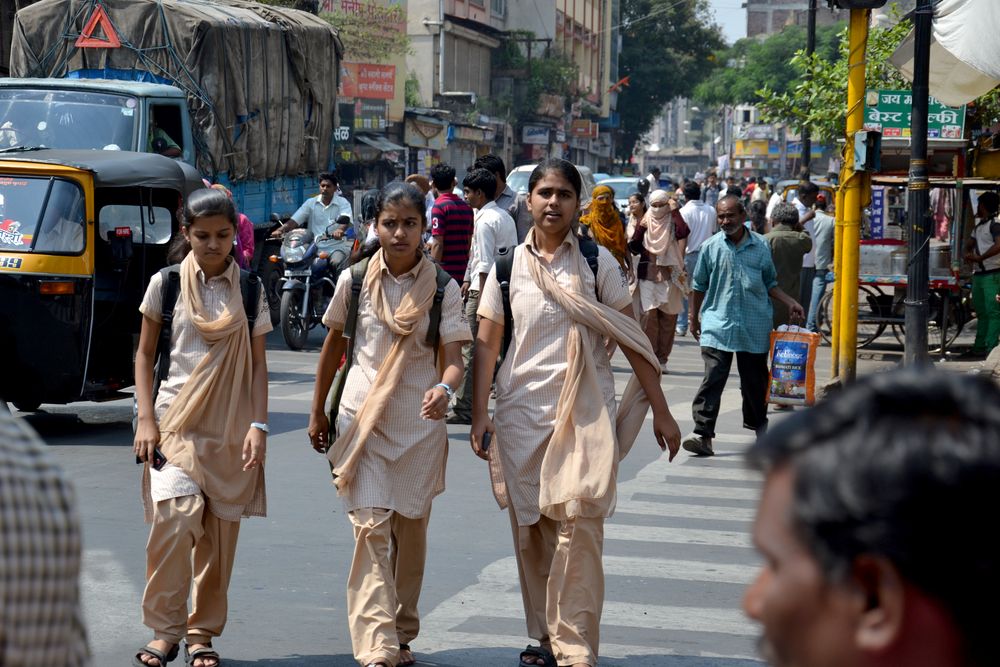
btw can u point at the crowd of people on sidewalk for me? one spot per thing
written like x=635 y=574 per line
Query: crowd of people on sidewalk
x=458 y=301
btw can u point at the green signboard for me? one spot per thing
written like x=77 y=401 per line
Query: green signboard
x=889 y=112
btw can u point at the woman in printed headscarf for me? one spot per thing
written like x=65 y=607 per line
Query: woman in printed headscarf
x=659 y=241
x=605 y=225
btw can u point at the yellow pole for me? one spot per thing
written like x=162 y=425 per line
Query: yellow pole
x=857 y=191
x=838 y=243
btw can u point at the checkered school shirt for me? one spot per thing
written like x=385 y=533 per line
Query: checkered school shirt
x=40 y=620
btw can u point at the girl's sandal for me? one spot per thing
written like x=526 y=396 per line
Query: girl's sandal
x=206 y=652
x=164 y=658
x=411 y=661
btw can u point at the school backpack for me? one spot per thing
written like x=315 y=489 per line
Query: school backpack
x=505 y=265
x=358 y=272
x=170 y=278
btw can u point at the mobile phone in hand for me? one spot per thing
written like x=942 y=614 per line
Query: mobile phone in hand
x=485 y=446
x=159 y=460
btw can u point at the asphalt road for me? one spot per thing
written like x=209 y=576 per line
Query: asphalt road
x=677 y=551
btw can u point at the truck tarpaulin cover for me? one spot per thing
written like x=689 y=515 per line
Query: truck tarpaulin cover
x=261 y=81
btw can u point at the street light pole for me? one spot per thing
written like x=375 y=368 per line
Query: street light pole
x=918 y=194
x=810 y=50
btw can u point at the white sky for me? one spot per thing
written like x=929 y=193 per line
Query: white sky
x=732 y=17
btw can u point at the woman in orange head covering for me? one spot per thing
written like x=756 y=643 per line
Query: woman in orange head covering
x=606 y=225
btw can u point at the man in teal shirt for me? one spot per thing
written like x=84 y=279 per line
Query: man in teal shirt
x=733 y=284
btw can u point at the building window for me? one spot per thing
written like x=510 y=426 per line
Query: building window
x=498 y=7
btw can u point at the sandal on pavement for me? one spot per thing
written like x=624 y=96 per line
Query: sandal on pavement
x=205 y=652
x=412 y=661
x=534 y=654
x=164 y=658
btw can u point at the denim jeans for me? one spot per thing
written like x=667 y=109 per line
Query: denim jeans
x=690 y=261
x=818 y=289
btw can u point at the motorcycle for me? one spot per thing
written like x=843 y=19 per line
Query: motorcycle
x=312 y=265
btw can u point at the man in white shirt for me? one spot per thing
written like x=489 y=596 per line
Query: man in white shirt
x=804 y=202
x=493 y=229
x=321 y=211
x=701 y=220
x=654 y=179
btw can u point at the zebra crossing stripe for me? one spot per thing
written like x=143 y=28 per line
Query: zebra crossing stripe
x=695 y=536
x=491 y=597
x=678 y=469
x=679 y=570
x=685 y=511
x=689 y=492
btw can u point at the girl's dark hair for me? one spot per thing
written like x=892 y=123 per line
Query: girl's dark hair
x=405 y=194
x=369 y=202
x=758 y=216
x=562 y=167
x=200 y=204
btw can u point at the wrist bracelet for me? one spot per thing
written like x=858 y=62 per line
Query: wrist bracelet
x=260 y=426
x=448 y=390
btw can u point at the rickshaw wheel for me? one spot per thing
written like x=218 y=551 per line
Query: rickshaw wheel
x=867 y=330
x=27 y=406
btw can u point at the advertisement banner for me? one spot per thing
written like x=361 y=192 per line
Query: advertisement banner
x=421 y=133
x=370 y=81
x=888 y=111
x=876 y=221
x=535 y=134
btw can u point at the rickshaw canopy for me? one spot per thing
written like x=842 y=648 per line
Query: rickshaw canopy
x=118 y=169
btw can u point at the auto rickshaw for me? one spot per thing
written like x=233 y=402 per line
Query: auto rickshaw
x=81 y=233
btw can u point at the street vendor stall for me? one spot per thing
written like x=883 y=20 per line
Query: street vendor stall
x=883 y=263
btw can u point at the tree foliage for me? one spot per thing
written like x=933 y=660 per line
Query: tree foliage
x=749 y=65
x=667 y=47
x=819 y=102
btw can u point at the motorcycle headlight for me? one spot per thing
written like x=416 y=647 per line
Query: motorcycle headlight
x=293 y=254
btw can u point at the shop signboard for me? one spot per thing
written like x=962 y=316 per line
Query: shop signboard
x=535 y=134
x=423 y=132
x=369 y=115
x=888 y=111
x=876 y=219
x=367 y=80
x=750 y=147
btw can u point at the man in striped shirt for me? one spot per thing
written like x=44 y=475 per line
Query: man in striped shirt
x=451 y=224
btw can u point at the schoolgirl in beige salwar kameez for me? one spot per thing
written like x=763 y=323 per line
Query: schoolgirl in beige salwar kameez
x=389 y=455
x=558 y=430
x=210 y=422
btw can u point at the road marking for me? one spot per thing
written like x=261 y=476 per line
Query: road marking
x=679 y=570
x=109 y=604
x=685 y=511
x=658 y=470
x=491 y=597
x=709 y=538
x=690 y=491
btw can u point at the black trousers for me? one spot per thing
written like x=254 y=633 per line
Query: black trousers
x=753 y=385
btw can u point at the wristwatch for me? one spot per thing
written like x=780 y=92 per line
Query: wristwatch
x=448 y=390
x=260 y=426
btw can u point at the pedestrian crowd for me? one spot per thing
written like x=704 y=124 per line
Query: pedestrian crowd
x=871 y=556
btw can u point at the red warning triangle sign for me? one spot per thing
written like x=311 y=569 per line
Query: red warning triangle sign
x=86 y=40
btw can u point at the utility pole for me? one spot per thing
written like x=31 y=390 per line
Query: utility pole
x=810 y=50
x=918 y=195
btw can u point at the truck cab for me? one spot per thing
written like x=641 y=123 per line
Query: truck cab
x=93 y=114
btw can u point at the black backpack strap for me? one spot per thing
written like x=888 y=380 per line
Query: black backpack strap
x=504 y=267
x=434 y=327
x=358 y=272
x=590 y=250
x=170 y=287
x=250 y=289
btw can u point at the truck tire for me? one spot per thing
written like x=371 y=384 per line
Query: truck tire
x=295 y=331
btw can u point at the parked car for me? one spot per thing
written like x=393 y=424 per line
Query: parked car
x=600 y=177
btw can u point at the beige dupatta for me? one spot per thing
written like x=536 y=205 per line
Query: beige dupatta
x=580 y=465
x=346 y=451
x=203 y=429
